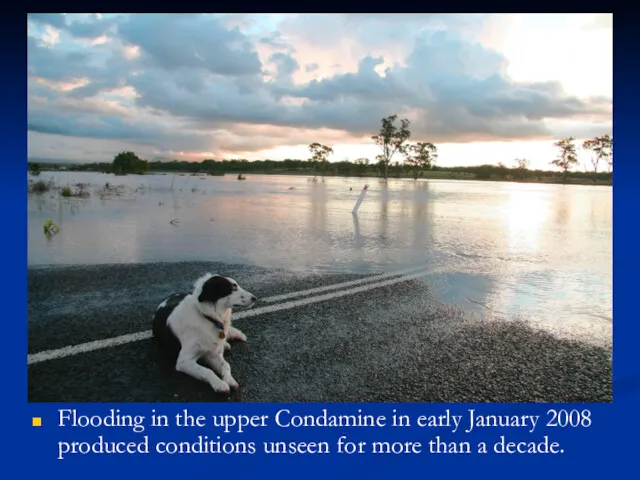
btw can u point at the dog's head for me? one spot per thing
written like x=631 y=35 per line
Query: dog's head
x=222 y=292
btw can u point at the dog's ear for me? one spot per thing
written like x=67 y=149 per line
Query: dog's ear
x=197 y=285
x=214 y=288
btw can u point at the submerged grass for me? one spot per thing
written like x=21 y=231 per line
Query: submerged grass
x=40 y=186
x=78 y=190
x=81 y=190
x=106 y=191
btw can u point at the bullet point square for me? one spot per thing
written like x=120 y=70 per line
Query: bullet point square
x=36 y=422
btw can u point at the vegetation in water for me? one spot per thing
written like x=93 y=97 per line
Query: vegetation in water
x=40 y=186
x=50 y=228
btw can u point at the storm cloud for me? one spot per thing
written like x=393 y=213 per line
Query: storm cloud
x=220 y=84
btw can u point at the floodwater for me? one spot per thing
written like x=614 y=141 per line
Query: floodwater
x=538 y=251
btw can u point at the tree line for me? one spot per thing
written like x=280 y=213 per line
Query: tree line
x=358 y=168
x=393 y=142
x=394 y=139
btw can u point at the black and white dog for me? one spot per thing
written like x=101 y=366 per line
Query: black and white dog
x=196 y=326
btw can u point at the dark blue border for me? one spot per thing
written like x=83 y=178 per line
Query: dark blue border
x=600 y=451
x=13 y=120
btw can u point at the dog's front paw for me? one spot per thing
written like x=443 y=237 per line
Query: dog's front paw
x=235 y=334
x=227 y=346
x=232 y=383
x=221 y=387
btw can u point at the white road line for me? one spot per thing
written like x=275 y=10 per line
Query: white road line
x=72 y=350
x=327 y=296
x=350 y=283
x=135 y=337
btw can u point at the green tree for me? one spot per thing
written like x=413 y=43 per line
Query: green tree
x=567 y=156
x=129 y=162
x=391 y=139
x=319 y=156
x=421 y=156
x=34 y=169
x=601 y=149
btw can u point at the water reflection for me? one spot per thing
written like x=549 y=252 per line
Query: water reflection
x=384 y=213
x=318 y=210
x=359 y=240
x=542 y=250
x=526 y=214
x=421 y=216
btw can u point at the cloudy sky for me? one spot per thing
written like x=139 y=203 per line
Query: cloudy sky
x=484 y=88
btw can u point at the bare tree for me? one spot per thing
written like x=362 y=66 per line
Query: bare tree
x=391 y=139
x=567 y=156
x=421 y=156
x=609 y=150
x=601 y=149
x=522 y=163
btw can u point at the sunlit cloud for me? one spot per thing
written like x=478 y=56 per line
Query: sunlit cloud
x=482 y=87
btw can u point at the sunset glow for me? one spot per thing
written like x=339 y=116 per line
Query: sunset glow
x=484 y=88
